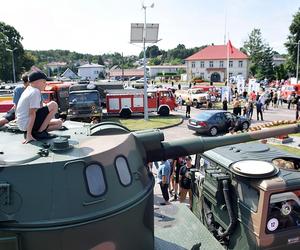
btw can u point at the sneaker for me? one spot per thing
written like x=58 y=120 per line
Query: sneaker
x=42 y=135
x=175 y=198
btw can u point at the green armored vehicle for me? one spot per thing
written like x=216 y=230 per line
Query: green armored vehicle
x=89 y=188
x=248 y=196
x=84 y=103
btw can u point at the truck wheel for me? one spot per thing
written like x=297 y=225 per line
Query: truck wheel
x=164 y=111
x=125 y=113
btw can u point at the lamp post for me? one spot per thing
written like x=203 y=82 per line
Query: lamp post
x=13 y=62
x=297 y=69
x=144 y=47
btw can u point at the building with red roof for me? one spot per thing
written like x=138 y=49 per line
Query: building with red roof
x=210 y=63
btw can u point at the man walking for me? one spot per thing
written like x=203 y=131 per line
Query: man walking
x=259 y=107
x=163 y=176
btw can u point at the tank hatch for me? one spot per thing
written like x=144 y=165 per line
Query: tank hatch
x=25 y=153
x=254 y=169
x=250 y=148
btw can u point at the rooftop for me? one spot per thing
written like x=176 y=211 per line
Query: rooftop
x=216 y=52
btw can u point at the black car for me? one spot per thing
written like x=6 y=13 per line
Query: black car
x=214 y=121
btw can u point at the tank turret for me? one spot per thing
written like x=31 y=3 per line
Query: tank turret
x=88 y=188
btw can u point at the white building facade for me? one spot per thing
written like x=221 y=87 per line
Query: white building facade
x=210 y=64
x=153 y=71
x=90 y=71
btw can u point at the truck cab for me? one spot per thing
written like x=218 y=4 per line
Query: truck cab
x=84 y=104
x=58 y=92
x=248 y=196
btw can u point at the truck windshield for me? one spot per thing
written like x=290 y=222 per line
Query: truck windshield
x=284 y=211
x=91 y=97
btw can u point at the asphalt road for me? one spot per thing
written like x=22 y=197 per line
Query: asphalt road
x=272 y=114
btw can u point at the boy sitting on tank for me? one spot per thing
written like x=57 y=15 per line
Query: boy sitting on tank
x=33 y=118
x=11 y=114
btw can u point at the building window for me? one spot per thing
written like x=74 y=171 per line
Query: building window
x=230 y=64
x=202 y=75
x=95 y=180
x=201 y=64
x=240 y=64
x=211 y=64
x=123 y=171
x=221 y=64
x=230 y=74
x=193 y=64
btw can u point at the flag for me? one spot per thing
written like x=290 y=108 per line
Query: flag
x=230 y=47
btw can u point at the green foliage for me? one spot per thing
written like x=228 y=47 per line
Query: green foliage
x=260 y=55
x=281 y=72
x=155 y=61
x=291 y=43
x=10 y=39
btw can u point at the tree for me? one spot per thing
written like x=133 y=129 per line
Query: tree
x=10 y=38
x=260 y=55
x=281 y=72
x=100 y=60
x=291 y=44
x=254 y=48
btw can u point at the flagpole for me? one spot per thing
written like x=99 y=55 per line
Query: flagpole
x=227 y=72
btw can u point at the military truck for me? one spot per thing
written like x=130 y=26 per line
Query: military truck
x=84 y=103
x=248 y=196
x=90 y=188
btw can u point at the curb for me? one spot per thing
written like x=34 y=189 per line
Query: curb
x=171 y=126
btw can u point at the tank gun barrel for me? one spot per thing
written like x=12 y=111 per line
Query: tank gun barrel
x=159 y=150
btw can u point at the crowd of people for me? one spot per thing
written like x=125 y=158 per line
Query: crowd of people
x=174 y=178
x=262 y=102
x=33 y=118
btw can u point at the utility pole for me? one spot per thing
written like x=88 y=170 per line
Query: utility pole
x=297 y=69
x=146 y=117
x=13 y=62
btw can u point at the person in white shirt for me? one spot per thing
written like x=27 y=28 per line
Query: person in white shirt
x=33 y=118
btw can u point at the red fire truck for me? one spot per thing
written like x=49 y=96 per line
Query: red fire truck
x=128 y=102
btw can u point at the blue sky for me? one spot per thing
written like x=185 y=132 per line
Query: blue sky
x=103 y=26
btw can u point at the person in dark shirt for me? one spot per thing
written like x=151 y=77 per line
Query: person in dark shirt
x=259 y=107
x=297 y=109
x=11 y=114
x=185 y=180
x=225 y=104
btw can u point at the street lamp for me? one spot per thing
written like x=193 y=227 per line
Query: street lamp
x=297 y=62
x=13 y=62
x=144 y=46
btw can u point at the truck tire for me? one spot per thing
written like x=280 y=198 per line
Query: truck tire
x=164 y=111
x=125 y=113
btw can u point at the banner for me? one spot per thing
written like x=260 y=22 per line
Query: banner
x=240 y=85
x=253 y=85
x=225 y=93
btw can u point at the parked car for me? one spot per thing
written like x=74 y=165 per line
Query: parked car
x=214 y=121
